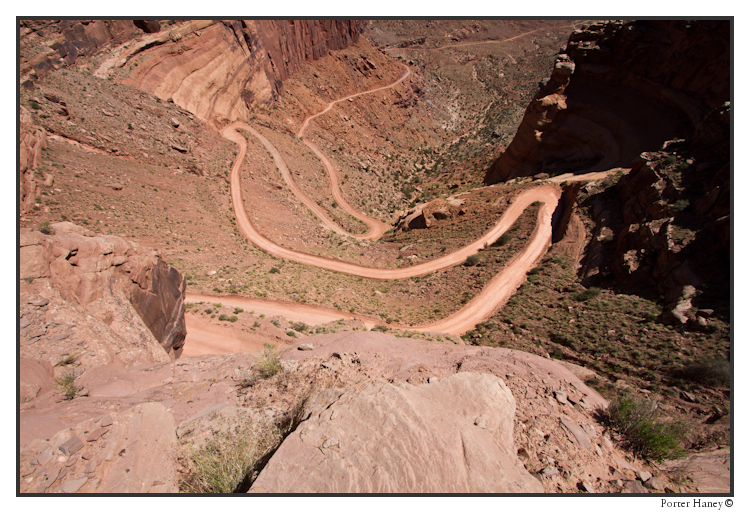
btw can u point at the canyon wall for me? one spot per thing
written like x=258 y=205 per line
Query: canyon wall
x=635 y=85
x=222 y=71
x=218 y=70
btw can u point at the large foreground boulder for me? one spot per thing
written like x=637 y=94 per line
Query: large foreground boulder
x=451 y=436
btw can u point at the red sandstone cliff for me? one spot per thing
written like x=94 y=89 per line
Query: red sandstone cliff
x=218 y=70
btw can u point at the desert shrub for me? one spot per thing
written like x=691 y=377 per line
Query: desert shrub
x=380 y=327
x=471 y=260
x=229 y=459
x=648 y=437
x=268 y=363
x=711 y=372
x=274 y=270
x=67 y=386
x=233 y=318
x=587 y=294
x=238 y=310
x=45 y=228
x=502 y=240
x=223 y=317
x=292 y=334
x=300 y=326
x=68 y=359
x=276 y=323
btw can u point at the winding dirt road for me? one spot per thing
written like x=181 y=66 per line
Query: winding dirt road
x=496 y=292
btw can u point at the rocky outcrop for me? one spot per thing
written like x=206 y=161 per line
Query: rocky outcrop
x=504 y=420
x=426 y=215
x=519 y=159
x=33 y=140
x=635 y=85
x=683 y=62
x=135 y=301
x=469 y=417
x=668 y=224
x=64 y=41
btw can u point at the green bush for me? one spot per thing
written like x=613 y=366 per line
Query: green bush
x=233 y=318
x=67 y=386
x=223 y=317
x=587 y=294
x=300 y=326
x=648 y=437
x=238 y=310
x=45 y=228
x=711 y=372
x=472 y=260
x=502 y=240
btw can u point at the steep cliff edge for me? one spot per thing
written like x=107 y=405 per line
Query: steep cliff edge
x=97 y=299
x=635 y=85
x=664 y=229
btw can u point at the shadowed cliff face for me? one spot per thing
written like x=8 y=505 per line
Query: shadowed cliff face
x=635 y=85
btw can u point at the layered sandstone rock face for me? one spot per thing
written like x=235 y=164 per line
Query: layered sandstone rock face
x=124 y=295
x=217 y=70
x=222 y=71
x=635 y=85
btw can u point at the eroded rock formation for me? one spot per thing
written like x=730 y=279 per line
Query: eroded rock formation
x=508 y=421
x=519 y=159
x=635 y=85
x=67 y=40
x=426 y=215
x=134 y=300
